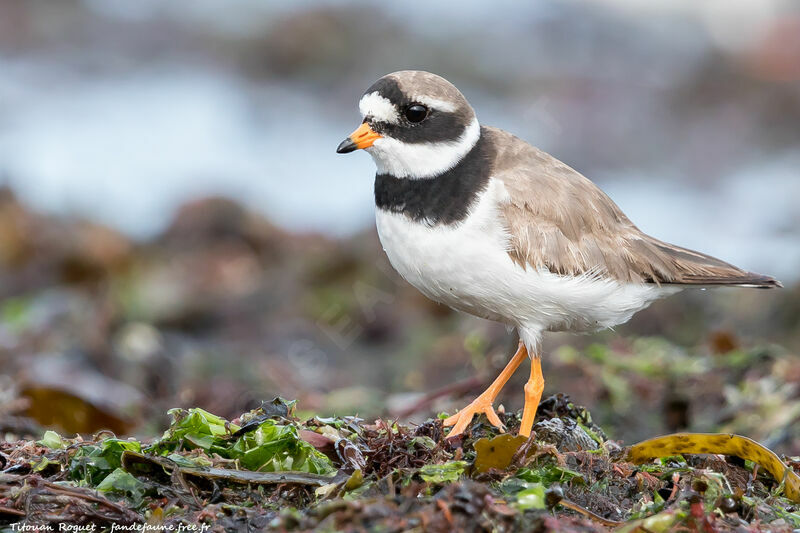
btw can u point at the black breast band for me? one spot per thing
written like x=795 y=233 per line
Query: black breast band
x=443 y=199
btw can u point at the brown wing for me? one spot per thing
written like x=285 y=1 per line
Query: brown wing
x=561 y=221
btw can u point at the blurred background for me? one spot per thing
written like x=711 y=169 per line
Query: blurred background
x=177 y=230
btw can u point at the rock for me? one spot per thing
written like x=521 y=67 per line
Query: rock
x=565 y=434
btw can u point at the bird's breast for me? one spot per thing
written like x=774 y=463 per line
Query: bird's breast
x=459 y=264
x=466 y=266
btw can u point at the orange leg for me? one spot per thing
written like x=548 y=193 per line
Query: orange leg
x=533 y=393
x=483 y=403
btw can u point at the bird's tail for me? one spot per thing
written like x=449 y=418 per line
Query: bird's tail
x=697 y=269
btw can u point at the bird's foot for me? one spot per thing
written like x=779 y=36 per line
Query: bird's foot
x=481 y=404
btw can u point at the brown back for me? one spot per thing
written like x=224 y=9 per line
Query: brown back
x=561 y=221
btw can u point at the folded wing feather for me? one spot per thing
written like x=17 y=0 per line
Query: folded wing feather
x=559 y=220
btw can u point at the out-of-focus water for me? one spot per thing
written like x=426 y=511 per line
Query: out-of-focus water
x=127 y=151
x=122 y=111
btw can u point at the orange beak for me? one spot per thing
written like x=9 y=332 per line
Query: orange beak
x=363 y=137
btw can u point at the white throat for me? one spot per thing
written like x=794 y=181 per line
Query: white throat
x=422 y=160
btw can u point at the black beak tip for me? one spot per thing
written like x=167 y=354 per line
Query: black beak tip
x=346 y=146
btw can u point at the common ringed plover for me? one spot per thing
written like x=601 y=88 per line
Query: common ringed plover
x=485 y=223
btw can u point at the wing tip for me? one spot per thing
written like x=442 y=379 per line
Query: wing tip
x=749 y=280
x=760 y=281
x=771 y=283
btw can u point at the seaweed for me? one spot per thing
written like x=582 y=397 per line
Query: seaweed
x=272 y=470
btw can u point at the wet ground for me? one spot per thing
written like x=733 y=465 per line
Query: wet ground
x=268 y=470
x=224 y=310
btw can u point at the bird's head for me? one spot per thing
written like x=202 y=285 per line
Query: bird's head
x=416 y=125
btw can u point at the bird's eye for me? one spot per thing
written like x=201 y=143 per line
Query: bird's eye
x=416 y=113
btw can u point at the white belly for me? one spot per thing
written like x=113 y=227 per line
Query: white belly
x=466 y=266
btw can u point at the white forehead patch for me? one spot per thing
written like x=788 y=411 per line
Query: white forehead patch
x=379 y=108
